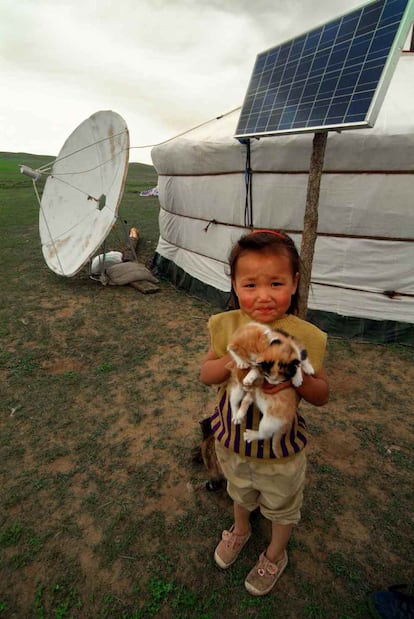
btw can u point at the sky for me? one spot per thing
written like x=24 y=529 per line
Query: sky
x=164 y=65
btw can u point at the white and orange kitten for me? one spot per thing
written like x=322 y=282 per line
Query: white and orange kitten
x=260 y=353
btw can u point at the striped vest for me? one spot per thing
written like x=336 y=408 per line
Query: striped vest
x=221 y=327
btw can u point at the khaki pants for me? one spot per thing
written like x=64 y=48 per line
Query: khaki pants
x=275 y=486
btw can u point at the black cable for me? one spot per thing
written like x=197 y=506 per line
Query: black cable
x=248 y=179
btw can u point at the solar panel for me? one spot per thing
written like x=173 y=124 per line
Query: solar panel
x=332 y=77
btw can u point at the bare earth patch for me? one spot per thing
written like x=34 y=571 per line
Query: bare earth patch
x=104 y=508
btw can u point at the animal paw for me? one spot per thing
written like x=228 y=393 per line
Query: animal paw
x=297 y=379
x=249 y=379
x=242 y=365
x=250 y=435
x=237 y=418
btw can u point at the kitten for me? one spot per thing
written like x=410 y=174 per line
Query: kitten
x=259 y=354
x=206 y=453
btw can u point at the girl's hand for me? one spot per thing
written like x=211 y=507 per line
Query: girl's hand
x=314 y=389
x=214 y=370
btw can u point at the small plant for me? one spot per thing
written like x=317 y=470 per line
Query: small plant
x=39 y=604
x=105 y=367
x=159 y=591
x=11 y=535
x=24 y=365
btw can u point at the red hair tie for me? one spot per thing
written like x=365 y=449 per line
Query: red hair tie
x=278 y=234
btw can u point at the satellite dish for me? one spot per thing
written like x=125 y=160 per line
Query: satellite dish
x=80 y=201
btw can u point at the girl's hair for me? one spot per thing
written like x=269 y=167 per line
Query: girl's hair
x=269 y=241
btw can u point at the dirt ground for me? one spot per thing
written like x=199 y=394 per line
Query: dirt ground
x=100 y=419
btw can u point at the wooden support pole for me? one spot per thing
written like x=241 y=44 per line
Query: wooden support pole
x=310 y=221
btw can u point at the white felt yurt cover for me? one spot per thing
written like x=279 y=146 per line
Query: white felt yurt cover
x=365 y=239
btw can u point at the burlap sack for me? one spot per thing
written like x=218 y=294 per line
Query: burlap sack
x=102 y=262
x=127 y=272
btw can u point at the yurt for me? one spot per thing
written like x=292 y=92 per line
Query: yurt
x=214 y=188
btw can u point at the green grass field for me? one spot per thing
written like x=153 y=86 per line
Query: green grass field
x=103 y=513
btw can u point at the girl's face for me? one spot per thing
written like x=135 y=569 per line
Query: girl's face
x=264 y=284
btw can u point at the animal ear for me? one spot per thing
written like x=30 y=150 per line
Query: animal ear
x=275 y=340
x=297 y=350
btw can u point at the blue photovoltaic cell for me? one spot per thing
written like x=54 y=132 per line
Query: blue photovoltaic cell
x=326 y=78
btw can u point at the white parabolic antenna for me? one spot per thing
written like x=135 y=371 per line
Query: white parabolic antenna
x=82 y=194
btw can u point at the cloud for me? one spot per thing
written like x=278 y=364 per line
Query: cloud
x=163 y=65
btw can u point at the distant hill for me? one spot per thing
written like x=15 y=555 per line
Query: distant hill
x=12 y=155
x=39 y=160
x=34 y=161
x=9 y=165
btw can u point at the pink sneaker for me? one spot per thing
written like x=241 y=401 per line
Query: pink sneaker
x=265 y=574
x=229 y=548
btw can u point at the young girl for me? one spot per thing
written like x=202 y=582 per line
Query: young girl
x=264 y=269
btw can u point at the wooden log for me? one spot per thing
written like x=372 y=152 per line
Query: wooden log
x=310 y=221
x=145 y=287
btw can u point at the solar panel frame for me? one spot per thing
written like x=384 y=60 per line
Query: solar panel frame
x=333 y=77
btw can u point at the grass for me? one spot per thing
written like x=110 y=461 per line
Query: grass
x=100 y=403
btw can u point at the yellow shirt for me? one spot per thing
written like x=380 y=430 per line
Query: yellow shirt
x=222 y=327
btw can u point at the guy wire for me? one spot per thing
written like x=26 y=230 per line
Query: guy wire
x=48 y=166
